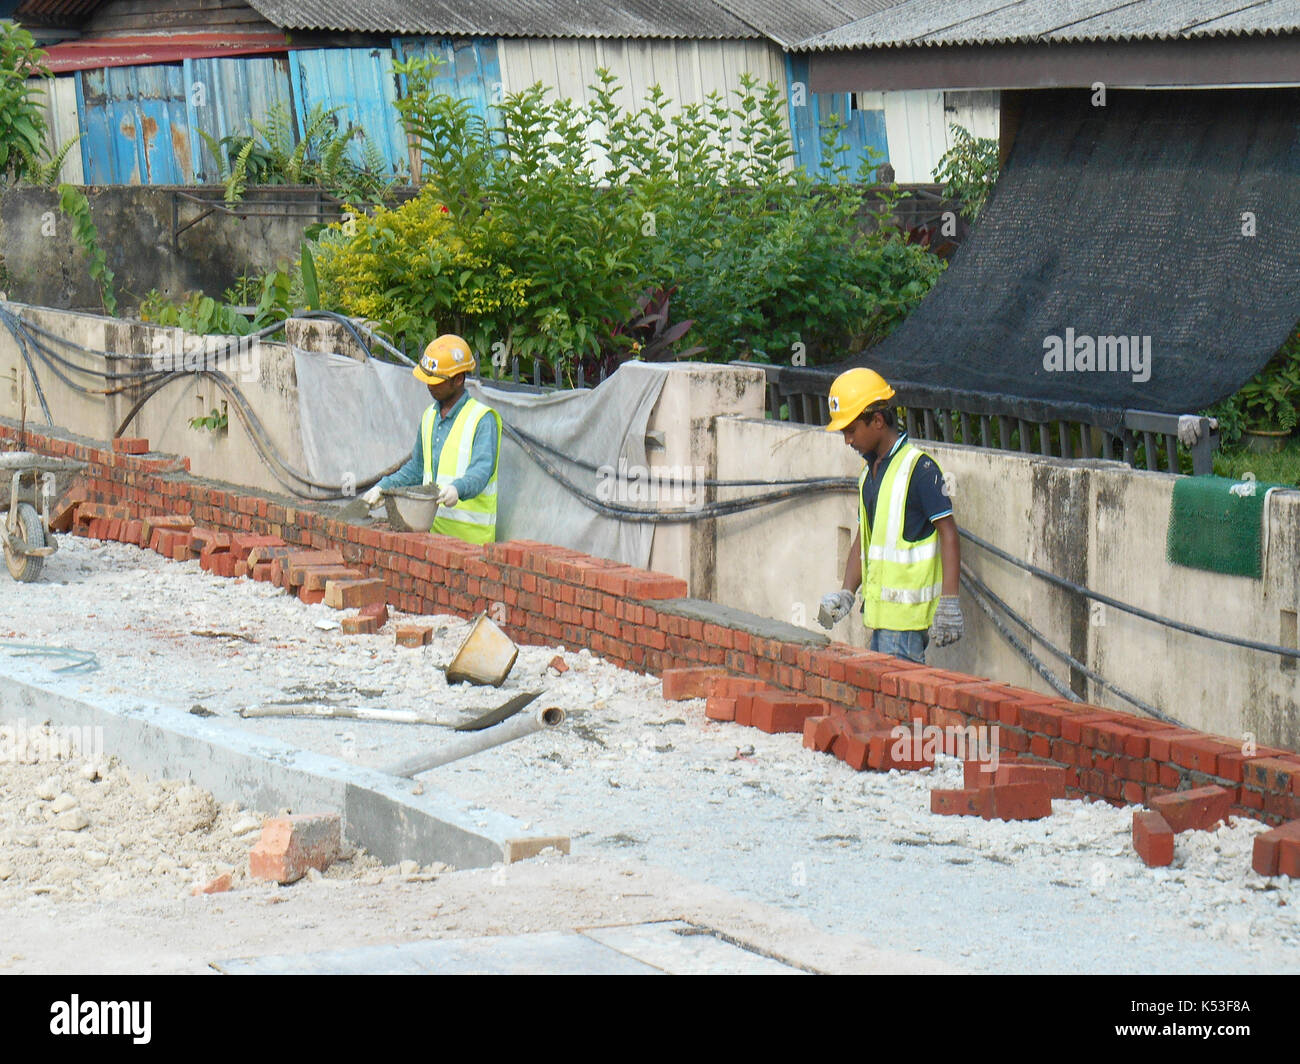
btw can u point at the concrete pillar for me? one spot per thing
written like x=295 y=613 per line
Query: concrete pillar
x=682 y=443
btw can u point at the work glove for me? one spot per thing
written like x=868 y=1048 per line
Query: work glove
x=947 y=625
x=835 y=607
x=1189 y=429
x=373 y=496
x=448 y=495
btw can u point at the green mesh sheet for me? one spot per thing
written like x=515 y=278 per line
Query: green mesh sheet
x=1213 y=528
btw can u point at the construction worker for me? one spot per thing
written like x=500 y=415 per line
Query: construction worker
x=906 y=556
x=457 y=447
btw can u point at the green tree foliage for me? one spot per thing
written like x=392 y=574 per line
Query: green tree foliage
x=548 y=235
x=22 y=123
x=968 y=170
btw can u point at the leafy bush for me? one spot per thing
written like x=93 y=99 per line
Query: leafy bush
x=548 y=235
x=22 y=122
x=1269 y=401
x=204 y=316
x=968 y=170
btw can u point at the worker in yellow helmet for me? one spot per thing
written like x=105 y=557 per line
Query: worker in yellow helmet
x=906 y=556
x=457 y=447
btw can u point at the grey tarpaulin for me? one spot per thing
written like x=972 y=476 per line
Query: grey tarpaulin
x=359 y=418
x=1132 y=219
x=599 y=427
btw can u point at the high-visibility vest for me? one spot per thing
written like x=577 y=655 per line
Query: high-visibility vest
x=473 y=520
x=901 y=580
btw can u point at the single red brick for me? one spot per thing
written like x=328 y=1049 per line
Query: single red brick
x=819 y=733
x=733 y=686
x=1044 y=718
x=1153 y=838
x=681 y=684
x=131 y=445
x=1198 y=809
x=776 y=712
x=377 y=610
x=1053 y=777
x=718 y=708
x=315 y=579
x=347 y=594
x=1266 y=856
x=976 y=802
x=261 y=571
x=898 y=749
x=360 y=624
x=414 y=635
x=292 y=844
x=1019 y=801
x=1270 y=773
x=981 y=773
x=310 y=598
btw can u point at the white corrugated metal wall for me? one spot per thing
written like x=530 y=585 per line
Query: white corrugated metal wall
x=59 y=97
x=687 y=71
x=918 y=127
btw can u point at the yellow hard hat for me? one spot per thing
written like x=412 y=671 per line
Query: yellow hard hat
x=445 y=357
x=854 y=391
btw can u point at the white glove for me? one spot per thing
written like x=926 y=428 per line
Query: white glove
x=948 y=624
x=373 y=496
x=835 y=607
x=448 y=496
x=1189 y=429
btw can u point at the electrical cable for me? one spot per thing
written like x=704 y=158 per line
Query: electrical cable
x=1036 y=662
x=1079 y=589
x=973 y=583
x=14 y=325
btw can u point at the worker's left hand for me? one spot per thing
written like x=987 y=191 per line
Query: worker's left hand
x=948 y=624
x=448 y=496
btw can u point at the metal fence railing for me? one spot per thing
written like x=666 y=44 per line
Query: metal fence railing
x=1145 y=439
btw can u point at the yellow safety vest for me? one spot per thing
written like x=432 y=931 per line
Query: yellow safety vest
x=473 y=520
x=901 y=580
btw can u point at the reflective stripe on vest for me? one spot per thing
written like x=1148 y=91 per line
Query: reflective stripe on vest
x=473 y=520
x=901 y=580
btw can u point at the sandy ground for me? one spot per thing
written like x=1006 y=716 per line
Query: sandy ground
x=837 y=870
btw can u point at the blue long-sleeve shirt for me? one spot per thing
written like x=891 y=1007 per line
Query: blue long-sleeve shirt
x=482 y=460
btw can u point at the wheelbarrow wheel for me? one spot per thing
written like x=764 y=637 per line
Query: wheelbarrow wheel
x=22 y=567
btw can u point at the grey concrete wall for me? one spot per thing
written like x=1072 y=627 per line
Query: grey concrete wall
x=1100 y=524
x=45 y=266
x=264 y=372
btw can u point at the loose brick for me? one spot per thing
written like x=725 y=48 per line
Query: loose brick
x=716 y=707
x=292 y=844
x=819 y=733
x=897 y=749
x=1053 y=777
x=293 y=564
x=733 y=686
x=377 y=610
x=316 y=579
x=1153 y=838
x=681 y=684
x=1020 y=801
x=776 y=713
x=974 y=802
x=1266 y=859
x=360 y=624
x=310 y=598
x=348 y=594
x=557 y=663
x=1198 y=809
x=414 y=635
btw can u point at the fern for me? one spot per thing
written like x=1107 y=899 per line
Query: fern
x=47 y=172
x=237 y=182
x=214 y=146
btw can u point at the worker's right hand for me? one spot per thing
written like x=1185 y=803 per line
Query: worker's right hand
x=373 y=496
x=835 y=607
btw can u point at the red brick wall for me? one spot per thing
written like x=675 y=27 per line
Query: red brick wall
x=543 y=594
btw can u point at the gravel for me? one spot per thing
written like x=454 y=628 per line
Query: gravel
x=630 y=778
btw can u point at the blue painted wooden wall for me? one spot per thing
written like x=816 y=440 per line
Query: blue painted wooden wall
x=865 y=130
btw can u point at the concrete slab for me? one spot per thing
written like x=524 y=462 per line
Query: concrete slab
x=380 y=813
x=543 y=953
x=730 y=617
x=672 y=947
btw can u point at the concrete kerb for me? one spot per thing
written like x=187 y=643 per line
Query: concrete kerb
x=378 y=812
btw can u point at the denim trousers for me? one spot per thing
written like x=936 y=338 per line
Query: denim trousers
x=907 y=645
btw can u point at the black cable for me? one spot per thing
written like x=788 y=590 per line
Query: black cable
x=973 y=582
x=1146 y=615
x=1038 y=664
x=14 y=325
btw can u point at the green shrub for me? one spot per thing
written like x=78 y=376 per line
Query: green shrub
x=22 y=121
x=1270 y=400
x=968 y=170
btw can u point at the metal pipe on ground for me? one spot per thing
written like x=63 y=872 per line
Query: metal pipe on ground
x=509 y=731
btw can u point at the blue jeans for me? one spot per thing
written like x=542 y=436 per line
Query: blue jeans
x=910 y=646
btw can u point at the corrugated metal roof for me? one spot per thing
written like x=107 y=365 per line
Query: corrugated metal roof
x=789 y=21
x=952 y=22
x=694 y=19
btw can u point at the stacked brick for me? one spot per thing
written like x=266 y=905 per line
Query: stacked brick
x=542 y=594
